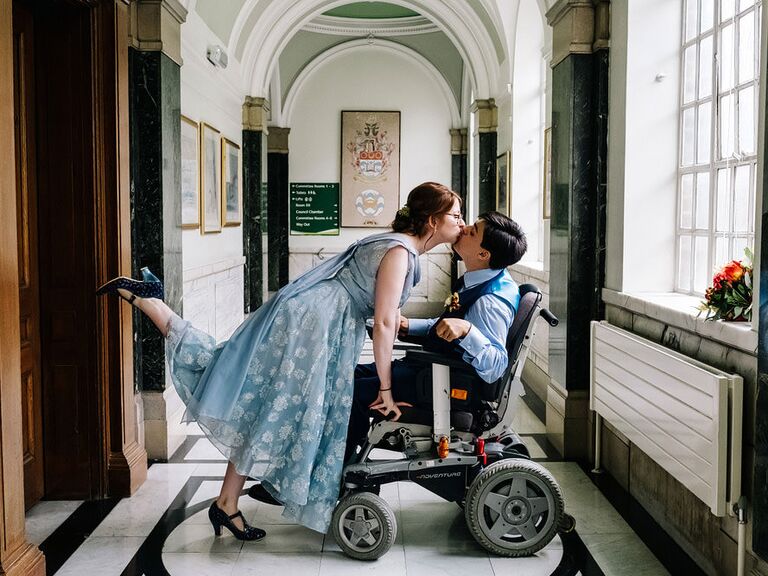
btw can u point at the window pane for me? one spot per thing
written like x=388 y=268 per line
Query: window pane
x=721 y=251
x=747 y=53
x=744 y=4
x=741 y=190
x=705 y=67
x=747 y=124
x=691 y=18
x=684 y=263
x=723 y=200
x=702 y=200
x=688 y=136
x=726 y=58
x=726 y=9
x=686 y=201
x=727 y=129
x=701 y=276
x=704 y=127
x=739 y=243
x=707 y=15
x=689 y=87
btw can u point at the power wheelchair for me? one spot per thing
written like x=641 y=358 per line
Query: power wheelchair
x=457 y=442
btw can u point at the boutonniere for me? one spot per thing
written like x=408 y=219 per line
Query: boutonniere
x=452 y=302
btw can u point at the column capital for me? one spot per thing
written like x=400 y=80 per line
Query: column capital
x=256 y=114
x=578 y=27
x=155 y=26
x=277 y=140
x=487 y=115
x=458 y=140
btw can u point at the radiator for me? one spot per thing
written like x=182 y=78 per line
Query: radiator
x=682 y=413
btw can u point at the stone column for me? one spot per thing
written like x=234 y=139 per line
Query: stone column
x=759 y=513
x=255 y=132
x=486 y=123
x=577 y=234
x=277 y=193
x=17 y=556
x=155 y=105
x=459 y=169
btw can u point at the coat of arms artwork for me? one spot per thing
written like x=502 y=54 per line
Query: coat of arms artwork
x=370 y=168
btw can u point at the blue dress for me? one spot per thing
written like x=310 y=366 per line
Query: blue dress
x=279 y=391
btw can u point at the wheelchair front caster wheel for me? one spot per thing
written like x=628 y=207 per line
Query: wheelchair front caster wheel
x=364 y=526
x=514 y=508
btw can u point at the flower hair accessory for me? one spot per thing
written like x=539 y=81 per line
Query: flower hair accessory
x=404 y=212
x=452 y=302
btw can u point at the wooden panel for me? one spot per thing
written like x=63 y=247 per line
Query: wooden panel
x=672 y=407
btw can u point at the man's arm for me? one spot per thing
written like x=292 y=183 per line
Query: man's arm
x=485 y=344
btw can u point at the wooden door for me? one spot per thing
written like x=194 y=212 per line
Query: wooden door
x=26 y=218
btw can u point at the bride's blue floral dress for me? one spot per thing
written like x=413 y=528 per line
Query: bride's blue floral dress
x=279 y=391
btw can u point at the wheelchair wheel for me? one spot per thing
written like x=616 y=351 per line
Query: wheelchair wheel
x=514 y=508
x=364 y=526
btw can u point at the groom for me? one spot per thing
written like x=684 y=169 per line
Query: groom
x=474 y=328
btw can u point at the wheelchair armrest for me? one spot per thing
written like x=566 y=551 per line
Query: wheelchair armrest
x=429 y=358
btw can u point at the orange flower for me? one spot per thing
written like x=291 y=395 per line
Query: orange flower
x=733 y=271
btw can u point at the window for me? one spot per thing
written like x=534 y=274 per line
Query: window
x=718 y=137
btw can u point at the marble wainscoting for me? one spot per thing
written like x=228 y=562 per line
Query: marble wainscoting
x=213 y=302
x=427 y=297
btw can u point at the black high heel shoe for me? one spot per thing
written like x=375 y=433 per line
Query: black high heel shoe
x=151 y=287
x=220 y=518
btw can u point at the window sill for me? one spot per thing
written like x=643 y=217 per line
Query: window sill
x=532 y=268
x=679 y=310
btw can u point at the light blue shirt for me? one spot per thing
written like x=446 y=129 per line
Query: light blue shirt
x=485 y=344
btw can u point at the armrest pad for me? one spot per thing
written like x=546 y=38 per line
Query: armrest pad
x=429 y=358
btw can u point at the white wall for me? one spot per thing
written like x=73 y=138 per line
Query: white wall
x=367 y=78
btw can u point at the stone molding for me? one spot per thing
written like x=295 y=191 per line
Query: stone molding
x=155 y=26
x=256 y=114
x=487 y=115
x=364 y=27
x=458 y=140
x=277 y=140
x=578 y=27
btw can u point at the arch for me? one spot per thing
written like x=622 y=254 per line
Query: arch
x=277 y=22
x=337 y=50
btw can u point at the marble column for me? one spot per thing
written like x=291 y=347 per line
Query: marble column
x=577 y=231
x=277 y=192
x=155 y=108
x=459 y=170
x=486 y=123
x=255 y=132
x=759 y=513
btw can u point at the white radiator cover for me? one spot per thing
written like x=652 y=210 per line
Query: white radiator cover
x=685 y=415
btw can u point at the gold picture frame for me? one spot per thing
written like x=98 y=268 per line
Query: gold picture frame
x=231 y=184
x=503 y=197
x=190 y=173
x=546 y=209
x=210 y=179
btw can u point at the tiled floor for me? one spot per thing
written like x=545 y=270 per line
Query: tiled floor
x=164 y=529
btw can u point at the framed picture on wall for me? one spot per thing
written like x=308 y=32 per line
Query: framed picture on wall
x=190 y=173
x=547 y=177
x=210 y=182
x=370 y=168
x=231 y=188
x=503 y=199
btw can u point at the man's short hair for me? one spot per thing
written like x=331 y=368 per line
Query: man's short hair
x=503 y=238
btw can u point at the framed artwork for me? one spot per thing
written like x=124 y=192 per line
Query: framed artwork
x=370 y=168
x=503 y=200
x=210 y=181
x=547 y=179
x=190 y=173
x=231 y=187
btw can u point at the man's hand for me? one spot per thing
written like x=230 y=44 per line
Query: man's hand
x=403 y=328
x=449 y=329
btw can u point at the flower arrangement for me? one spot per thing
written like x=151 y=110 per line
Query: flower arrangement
x=730 y=296
x=452 y=302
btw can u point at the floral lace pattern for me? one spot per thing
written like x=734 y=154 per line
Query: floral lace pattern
x=293 y=410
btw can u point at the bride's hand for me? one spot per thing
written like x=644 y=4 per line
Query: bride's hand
x=385 y=404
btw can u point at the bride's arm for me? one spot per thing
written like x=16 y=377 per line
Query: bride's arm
x=386 y=320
